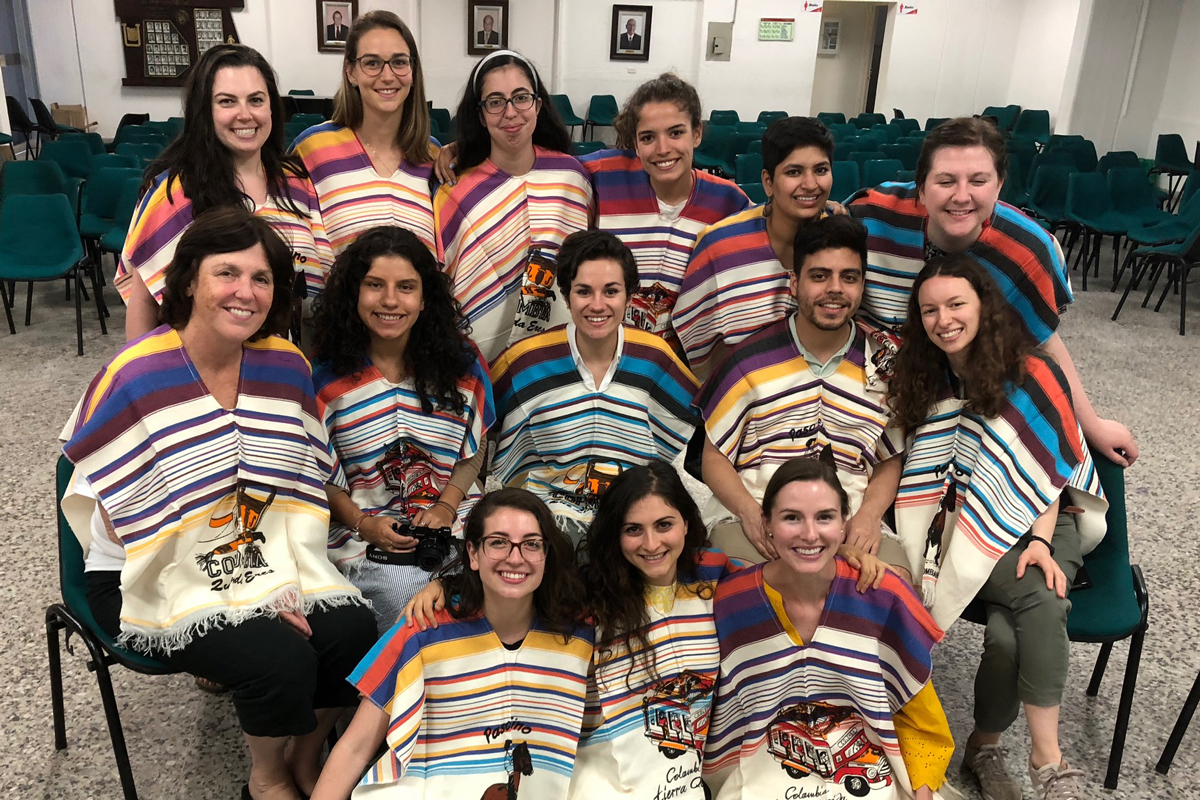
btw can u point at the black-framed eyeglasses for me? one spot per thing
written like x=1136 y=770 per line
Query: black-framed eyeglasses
x=373 y=65
x=522 y=101
x=498 y=548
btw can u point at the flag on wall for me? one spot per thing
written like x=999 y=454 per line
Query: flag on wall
x=908 y=8
x=814 y=6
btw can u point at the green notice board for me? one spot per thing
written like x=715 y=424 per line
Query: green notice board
x=776 y=30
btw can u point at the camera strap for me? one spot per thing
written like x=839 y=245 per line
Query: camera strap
x=384 y=557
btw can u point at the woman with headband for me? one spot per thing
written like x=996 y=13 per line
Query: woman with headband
x=371 y=163
x=518 y=195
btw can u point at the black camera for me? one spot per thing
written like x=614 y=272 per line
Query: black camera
x=434 y=545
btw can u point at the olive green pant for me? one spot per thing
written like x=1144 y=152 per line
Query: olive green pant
x=1025 y=646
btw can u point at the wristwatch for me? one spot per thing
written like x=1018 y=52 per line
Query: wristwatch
x=1049 y=546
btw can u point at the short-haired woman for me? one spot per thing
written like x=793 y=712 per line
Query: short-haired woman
x=200 y=465
x=371 y=164
x=998 y=501
x=231 y=152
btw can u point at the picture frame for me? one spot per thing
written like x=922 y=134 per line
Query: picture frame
x=334 y=18
x=487 y=26
x=629 y=39
x=831 y=34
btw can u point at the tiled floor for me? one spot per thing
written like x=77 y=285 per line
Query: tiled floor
x=186 y=744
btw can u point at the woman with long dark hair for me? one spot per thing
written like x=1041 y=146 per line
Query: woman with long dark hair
x=518 y=195
x=231 y=152
x=371 y=163
x=489 y=703
x=407 y=403
x=823 y=690
x=997 y=480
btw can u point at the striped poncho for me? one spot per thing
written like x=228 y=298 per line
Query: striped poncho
x=815 y=719
x=222 y=513
x=646 y=720
x=159 y=222
x=353 y=197
x=627 y=207
x=564 y=438
x=1025 y=261
x=470 y=718
x=499 y=236
x=764 y=406
x=972 y=486
x=396 y=459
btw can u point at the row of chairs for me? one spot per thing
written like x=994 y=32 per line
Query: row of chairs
x=46 y=127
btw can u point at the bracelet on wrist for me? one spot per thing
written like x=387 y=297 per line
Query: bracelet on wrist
x=358 y=521
x=1050 y=547
x=453 y=511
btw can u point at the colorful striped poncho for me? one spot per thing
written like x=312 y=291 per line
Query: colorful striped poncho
x=627 y=207
x=815 y=719
x=499 y=236
x=565 y=439
x=159 y=222
x=222 y=513
x=764 y=406
x=972 y=486
x=1025 y=261
x=353 y=197
x=646 y=719
x=469 y=718
x=395 y=458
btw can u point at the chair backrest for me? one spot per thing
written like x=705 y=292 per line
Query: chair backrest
x=749 y=167
x=127 y=200
x=108 y=160
x=1049 y=188
x=832 y=118
x=1087 y=196
x=1033 y=122
x=846 y=180
x=719 y=142
x=1063 y=138
x=301 y=92
x=755 y=191
x=1129 y=189
x=103 y=189
x=1059 y=157
x=756 y=128
x=604 y=104
x=897 y=114
x=1190 y=185
x=933 y=122
x=137 y=133
x=584 y=148
x=1117 y=158
x=906 y=125
x=93 y=140
x=1170 y=151
x=307 y=120
x=18 y=120
x=562 y=104
x=861 y=157
x=31 y=177
x=1005 y=115
x=842 y=130
x=444 y=120
x=842 y=150
x=877 y=171
x=1084 y=152
x=888 y=132
x=755 y=147
x=872 y=119
x=74 y=157
x=724 y=117
x=131 y=119
x=39 y=229
x=1013 y=190
x=906 y=176
x=905 y=153
x=43 y=115
x=871 y=140
x=767 y=117
x=146 y=151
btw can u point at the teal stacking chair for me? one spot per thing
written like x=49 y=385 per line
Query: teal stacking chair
x=307 y=120
x=98 y=208
x=832 y=118
x=292 y=131
x=869 y=120
x=1117 y=158
x=906 y=176
x=94 y=141
x=933 y=122
x=842 y=131
x=755 y=191
x=861 y=157
x=37 y=178
x=724 y=117
x=127 y=200
x=846 y=180
x=1178 y=257
x=75 y=158
x=1085 y=154
x=136 y=134
x=1048 y=199
x=602 y=112
x=880 y=170
x=302 y=92
x=107 y=160
x=765 y=118
x=1014 y=191
x=888 y=134
x=748 y=168
x=1133 y=196
x=716 y=150
x=145 y=151
x=1171 y=159
x=445 y=123
x=755 y=147
x=1033 y=124
x=39 y=241
x=1090 y=207
x=562 y=104
x=1115 y=607
x=74 y=616
x=1006 y=116
x=906 y=154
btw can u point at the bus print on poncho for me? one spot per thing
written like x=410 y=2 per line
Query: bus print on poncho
x=586 y=485
x=831 y=742
x=676 y=712
x=408 y=473
x=240 y=559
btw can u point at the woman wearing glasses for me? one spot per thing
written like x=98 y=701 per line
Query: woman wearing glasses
x=371 y=163
x=518 y=195
x=489 y=703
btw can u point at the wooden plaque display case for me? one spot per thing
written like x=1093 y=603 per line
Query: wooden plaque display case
x=163 y=38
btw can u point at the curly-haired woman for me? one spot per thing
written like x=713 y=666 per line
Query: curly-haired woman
x=407 y=403
x=997 y=480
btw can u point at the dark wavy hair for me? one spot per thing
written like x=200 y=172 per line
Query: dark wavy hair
x=412 y=137
x=557 y=602
x=439 y=352
x=228 y=229
x=804 y=470
x=474 y=142
x=583 y=246
x=963 y=132
x=997 y=354
x=666 y=88
x=785 y=135
x=202 y=164
x=616 y=589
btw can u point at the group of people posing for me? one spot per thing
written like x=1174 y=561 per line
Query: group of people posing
x=875 y=395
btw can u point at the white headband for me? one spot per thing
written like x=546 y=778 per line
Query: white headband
x=513 y=54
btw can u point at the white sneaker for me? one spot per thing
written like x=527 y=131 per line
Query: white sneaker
x=1057 y=782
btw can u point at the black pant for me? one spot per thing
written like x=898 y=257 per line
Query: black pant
x=277 y=676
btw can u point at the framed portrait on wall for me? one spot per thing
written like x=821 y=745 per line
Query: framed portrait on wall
x=831 y=31
x=334 y=18
x=630 y=36
x=487 y=26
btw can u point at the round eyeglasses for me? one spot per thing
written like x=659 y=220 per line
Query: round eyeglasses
x=498 y=548
x=373 y=65
x=522 y=101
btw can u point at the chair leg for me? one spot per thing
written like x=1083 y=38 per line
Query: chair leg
x=8 y=304
x=1172 y=277
x=1116 y=257
x=78 y=310
x=1183 y=280
x=1124 y=707
x=1181 y=726
x=28 y=303
x=1098 y=671
x=113 y=716
x=1136 y=270
x=101 y=311
x=1125 y=264
x=53 y=626
x=1155 y=272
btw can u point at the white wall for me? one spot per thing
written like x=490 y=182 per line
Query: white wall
x=1040 y=58
x=839 y=80
x=1180 y=108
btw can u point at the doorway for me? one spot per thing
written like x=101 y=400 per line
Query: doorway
x=16 y=60
x=849 y=55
